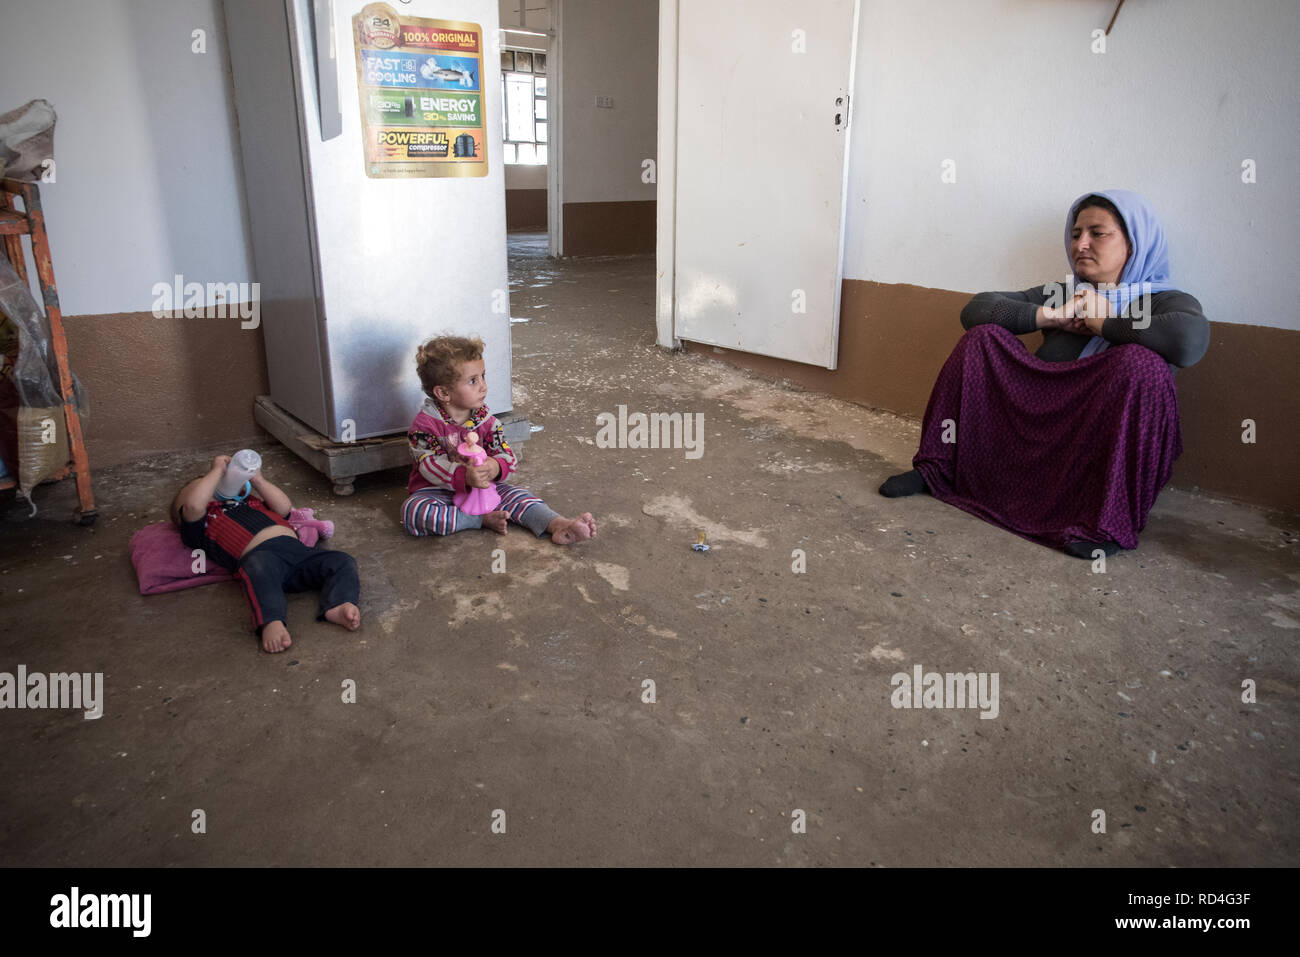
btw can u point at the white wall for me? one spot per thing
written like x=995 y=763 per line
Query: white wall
x=1010 y=90
x=525 y=177
x=610 y=48
x=148 y=180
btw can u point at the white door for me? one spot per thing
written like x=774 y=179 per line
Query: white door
x=761 y=149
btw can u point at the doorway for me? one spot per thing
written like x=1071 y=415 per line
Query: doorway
x=525 y=97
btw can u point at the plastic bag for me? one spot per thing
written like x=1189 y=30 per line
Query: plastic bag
x=27 y=140
x=38 y=418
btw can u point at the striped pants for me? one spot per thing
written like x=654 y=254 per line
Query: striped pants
x=431 y=511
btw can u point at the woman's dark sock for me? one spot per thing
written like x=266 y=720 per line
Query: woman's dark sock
x=908 y=483
x=1085 y=549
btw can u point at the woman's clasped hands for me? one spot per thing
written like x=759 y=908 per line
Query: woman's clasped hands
x=1083 y=313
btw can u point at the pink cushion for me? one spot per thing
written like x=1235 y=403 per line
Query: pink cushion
x=163 y=563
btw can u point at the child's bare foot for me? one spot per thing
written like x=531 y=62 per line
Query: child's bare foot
x=275 y=637
x=566 y=531
x=496 y=521
x=347 y=614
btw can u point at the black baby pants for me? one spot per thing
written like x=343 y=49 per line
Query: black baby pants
x=285 y=564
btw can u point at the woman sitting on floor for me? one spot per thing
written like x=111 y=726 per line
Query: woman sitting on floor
x=1070 y=446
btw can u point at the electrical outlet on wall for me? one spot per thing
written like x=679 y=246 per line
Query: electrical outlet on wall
x=605 y=102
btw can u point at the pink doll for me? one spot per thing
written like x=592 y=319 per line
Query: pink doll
x=476 y=501
x=309 y=528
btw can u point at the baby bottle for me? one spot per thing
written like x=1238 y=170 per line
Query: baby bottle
x=244 y=464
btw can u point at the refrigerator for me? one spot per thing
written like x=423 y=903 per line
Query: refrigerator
x=371 y=143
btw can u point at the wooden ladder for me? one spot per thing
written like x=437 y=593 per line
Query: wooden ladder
x=30 y=221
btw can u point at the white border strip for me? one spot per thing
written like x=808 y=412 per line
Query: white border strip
x=666 y=179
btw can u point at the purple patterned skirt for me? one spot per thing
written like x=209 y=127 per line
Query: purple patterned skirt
x=1056 y=452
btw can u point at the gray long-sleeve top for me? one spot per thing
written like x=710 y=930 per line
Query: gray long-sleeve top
x=1178 y=332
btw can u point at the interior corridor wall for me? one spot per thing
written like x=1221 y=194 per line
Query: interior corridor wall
x=1188 y=103
x=147 y=186
x=609 y=49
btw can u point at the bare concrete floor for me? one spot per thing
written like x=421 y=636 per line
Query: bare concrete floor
x=523 y=692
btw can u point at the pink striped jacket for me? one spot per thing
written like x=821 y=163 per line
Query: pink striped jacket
x=434 y=438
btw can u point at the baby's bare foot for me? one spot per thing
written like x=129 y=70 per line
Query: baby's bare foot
x=496 y=521
x=347 y=614
x=566 y=531
x=275 y=637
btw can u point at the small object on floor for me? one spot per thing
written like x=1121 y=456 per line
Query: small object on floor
x=309 y=528
x=906 y=483
x=1085 y=549
x=700 y=544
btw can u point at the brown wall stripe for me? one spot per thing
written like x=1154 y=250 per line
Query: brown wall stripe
x=894 y=339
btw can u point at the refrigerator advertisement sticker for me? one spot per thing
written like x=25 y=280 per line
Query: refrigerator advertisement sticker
x=420 y=86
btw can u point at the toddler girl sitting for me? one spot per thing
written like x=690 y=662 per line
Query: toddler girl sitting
x=451 y=370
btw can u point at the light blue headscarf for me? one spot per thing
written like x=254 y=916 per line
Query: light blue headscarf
x=1147 y=269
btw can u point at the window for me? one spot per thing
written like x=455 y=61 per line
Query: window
x=523 y=119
